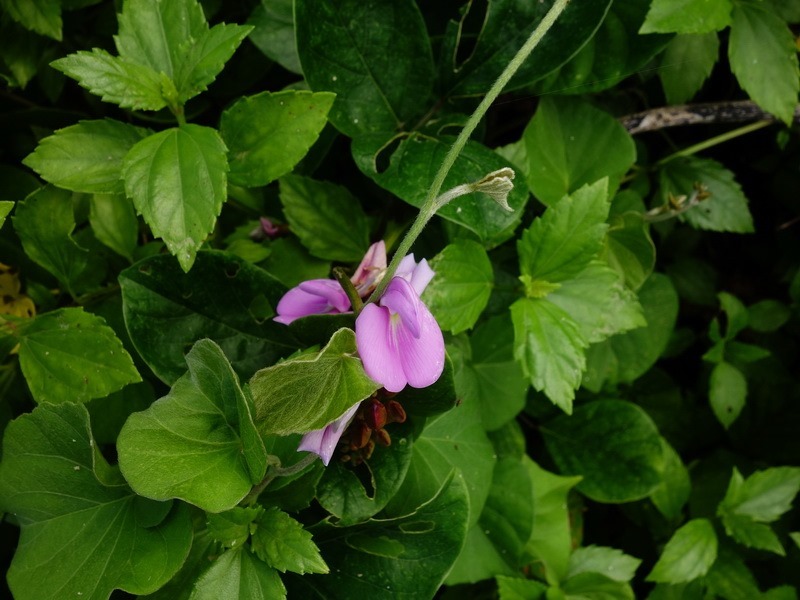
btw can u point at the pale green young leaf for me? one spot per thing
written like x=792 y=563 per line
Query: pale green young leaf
x=114 y=223
x=273 y=33
x=329 y=382
x=461 y=288
x=68 y=355
x=233 y=527
x=269 y=133
x=613 y=444
x=765 y=495
x=238 y=574
x=727 y=390
x=84 y=532
x=763 y=57
x=114 y=79
x=725 y=210
x=686 y=64
x=752 y=534
x=687 y=16
x=517 y=588
x=41 y=16
x=596 y=585
x=565 y=239
x=570 y=144
x=318 y=212
x=86 y=157
x=283 y=543
x=549 y=347
x=629 y=249
x=689 y=554
x=610 y=562
x=5 y=207
x=177 y=180
x=673 y=492
x=198 y=443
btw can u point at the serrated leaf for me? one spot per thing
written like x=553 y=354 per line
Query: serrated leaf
x=269 y=133
x=41 y=16
x=329 y=382
x=375 y=57
x=462 y=286
x=177 y=180
x=764 y=495
x=689 y=554
x=5 y=208
x=686 y=64
x=727 y=390
x=763 y=57
x=198 y=443
x=232 y=528
x=283 y=544
x=114 y=223
x=609 y=562
x=687 y=16
x=68 y=355
x=273 y=33
x=752 y=534
x=238 y=574
x=613 y=444
x=673 y=493
x=570 y=144
x=318 y=212
x=86 y=157
x=84 y=533
x=114 y=79
x=629 y=249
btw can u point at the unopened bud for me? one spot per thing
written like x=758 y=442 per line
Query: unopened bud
x=497 y=185
x=382 y=437
x=375 y=414
x=396 y=412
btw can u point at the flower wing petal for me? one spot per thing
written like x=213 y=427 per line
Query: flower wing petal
x=298 y=302
x=377 y=346
x=330 y=290
x=323 y=441
x=422 y=357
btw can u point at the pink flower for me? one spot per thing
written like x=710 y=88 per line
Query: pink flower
x=371 y=270
x=323 y=441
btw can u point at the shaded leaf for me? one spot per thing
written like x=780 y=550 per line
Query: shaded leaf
x=238 y=574
x=689 y=554
x=282 y=543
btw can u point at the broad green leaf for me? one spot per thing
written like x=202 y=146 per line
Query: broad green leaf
x=177 y=180
x=452 y=440
x=405 y=557
x=613 y=444
x=789 y=10
x=224 y=298
x=238 y=574
x=763 y=57
x=549 y=346
x=610 y=562
x=68 y=355
x=596 y=585
x=318 y=212
x=329 y=382
x=479 y=560
x=765 y=495
x=114 y=223
x=730 y=578
x=233 y=527
x=5 y=208
x=198 y=443
x=564 y=240
x=282 y=543
x=41 y=16
x=673 y=493
x=115 y=79
x=767 y=315
x=516 y=588
x=687 y=16
x=84 y=533
x=376 y=57
x=551 y=541
x=86 y=157
x=752 y=534
x=489 y=375
x=267 y=134
x=689 y=554
x=290 y=263
x=629 y=249
x=727 y=391
x=461 y=288
x=725 y=210
x=686 y=64
x=273 y=33
x=570 y=144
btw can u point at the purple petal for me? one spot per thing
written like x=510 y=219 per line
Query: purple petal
x=406 y=267
x=377 y=346
x=372 y=267
x=401 y=299
x=330 y=290
x=323 y=441
x=422 y=356
x=421 y=276
x=314 y=297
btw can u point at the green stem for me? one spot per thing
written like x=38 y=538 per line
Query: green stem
x=274 y=472
x=355 y=300
x=432 y=199
x=719 y=139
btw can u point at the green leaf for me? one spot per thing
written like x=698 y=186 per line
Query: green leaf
x=461 y=288
x=735 y=313
x=177 y=180
x=570 y=144
x=115 y=79
x=765 y=495
x=752 y=534
x=610 y=562
x=198 y=443
x=273 y=33
x=596 y=585
x=408 y=175
x=267 y=134
x=5 y=208
x=83 y=530
x=673 y=493
x=515 y=588
x=41 y=16
x=435 y=399
x=283 y=544
x=375 y=57
x=479 y=560
x=549 y=346
x=68 y=355
x=329 y=382
x=687 y=16
x=290 y=263
x=763 y=57
x=730 y=578
x=224 y=298
x=726 y=208
x=233 y=527
x=562 y=242
x=767 y=315
x=727 y=391
x=789 y=10
x=686 y=64
x=238 y=574
x=613 y=444
x=114 y=223
x=318 y=212
x=689 y=554
x=86 y=157
x=629 y=249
